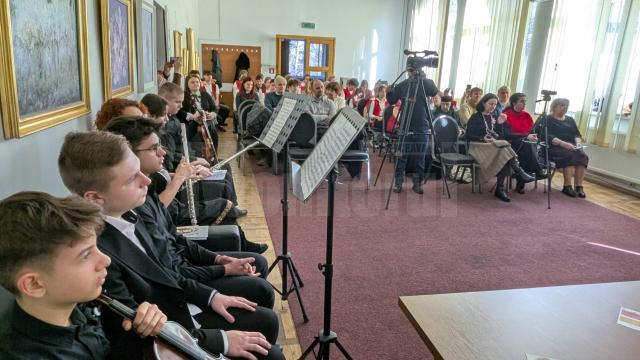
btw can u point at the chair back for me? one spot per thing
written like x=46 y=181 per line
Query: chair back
x=245 y=108
x=445 y=133
x=257 y=119
x=304 y=131
x=360 y=106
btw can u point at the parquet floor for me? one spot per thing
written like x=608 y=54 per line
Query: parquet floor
x=256 y=229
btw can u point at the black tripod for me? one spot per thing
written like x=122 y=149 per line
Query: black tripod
x=542 y=122
x=326 y=337
x=397 y=145
x=285 y=256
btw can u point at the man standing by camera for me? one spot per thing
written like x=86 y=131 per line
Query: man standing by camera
x=412 y=144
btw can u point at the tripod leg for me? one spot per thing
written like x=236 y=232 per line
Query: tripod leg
x=294 y=271
x=309 y=349
x=343 y=350
x=297 y=291
x=386 y=151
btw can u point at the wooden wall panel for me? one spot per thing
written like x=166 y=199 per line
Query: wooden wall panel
x=228 y=56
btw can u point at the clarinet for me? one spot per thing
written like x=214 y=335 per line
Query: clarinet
x=189 y=183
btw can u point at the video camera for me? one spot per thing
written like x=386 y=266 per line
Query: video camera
x=429 y=59
x=546 y=94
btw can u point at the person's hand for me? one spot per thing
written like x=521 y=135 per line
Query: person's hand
x=209 y=115
x=201 y=172
x=200 y=161
x=240 y=267
x=149 y=320
x=532 y=137
x=502 y=119
x=488 y=138
x=568 y=146
x=242 y=343
x=177 y=65
x=184 y=171
x=166 y=69
x=221 y=303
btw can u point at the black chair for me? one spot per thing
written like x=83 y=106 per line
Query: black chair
x=254 y=118
x=360 y=106
x=303 y=139
x=445 y=150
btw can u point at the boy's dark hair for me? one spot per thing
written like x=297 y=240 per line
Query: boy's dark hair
x=485 y=98
x=134 y=128
x=195 y=72
x=293 y=82
x=86 y=160
x=333 y=86
x=259 y=77
x=353 y=81
x=35 y=225
x=169 y=89
x=156 y=105
x=207 y=72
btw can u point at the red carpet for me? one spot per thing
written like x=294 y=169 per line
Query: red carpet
x=430 y=244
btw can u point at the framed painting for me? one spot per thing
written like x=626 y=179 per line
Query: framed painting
x=43 y=64
x=117 y=47
x=146 y=45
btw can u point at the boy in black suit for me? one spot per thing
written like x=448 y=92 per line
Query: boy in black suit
x=50 y=262
x=101 y=167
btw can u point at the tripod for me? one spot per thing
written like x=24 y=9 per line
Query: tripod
x=542 y=121
x=285 y=256
x=408 y=104
x=326 y=337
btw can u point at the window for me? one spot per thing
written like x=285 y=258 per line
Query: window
x=301 y=56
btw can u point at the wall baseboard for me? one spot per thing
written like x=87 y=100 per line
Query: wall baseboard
x=617 y=182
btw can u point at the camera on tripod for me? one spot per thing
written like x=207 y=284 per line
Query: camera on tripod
x=429 y=59
x=546 y=94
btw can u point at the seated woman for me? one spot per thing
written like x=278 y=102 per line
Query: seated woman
x=374 y=112
x=198 y=109
x=518 y=131
x=116 y=107
x=566 y=150
x=489 y=149
x=247 y=92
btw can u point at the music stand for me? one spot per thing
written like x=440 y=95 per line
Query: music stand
x=275 y=135
x=321 y=163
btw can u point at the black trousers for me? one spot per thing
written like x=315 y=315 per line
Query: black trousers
x=527 y=156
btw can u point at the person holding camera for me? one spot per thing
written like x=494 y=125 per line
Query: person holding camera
x=488 y=147
x=414 y=142
x=566 y=148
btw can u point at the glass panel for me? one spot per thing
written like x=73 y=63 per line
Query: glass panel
x=319 y=75
x=293 y=57
x=318 y=55
x=475 y=45
x=628 y=93
x=447 y=57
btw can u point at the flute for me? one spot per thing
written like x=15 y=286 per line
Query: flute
x=190 y=195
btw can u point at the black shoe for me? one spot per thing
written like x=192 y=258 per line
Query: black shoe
x=255 y=247
x=542 y=174
x=501 y=194
x=397 y=189
x=523 y=177
x=241 y=212
x=417 y=188
x=568 y=190
x=520 y=188
x=580 y=192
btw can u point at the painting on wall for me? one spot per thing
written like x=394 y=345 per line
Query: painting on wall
x=117 y=47
x=43 y=64
x=146 y=42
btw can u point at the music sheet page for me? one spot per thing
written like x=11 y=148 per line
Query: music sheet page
x=327 y=152
x=285 y=110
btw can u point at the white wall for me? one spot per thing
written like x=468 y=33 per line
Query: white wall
x=352 y=22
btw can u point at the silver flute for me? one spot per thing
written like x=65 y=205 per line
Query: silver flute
x=219 y=165
x=190 y=195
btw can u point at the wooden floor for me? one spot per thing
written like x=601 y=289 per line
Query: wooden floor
x=256 y=229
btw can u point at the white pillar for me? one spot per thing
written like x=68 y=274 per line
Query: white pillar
x=535 y=61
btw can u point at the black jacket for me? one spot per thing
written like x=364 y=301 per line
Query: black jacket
x=242 y=63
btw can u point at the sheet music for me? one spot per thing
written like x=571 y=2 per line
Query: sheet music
x=332 y=145
x=285 y=110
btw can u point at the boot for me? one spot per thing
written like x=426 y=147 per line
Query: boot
x=580 y=192
x=501 y=194
x=521 y=175
x=417 y=188
x=568 y=190
x=397 y=188
x=520 y=188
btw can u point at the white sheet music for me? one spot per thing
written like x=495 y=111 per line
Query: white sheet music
x=334 y=142
x=285 y=110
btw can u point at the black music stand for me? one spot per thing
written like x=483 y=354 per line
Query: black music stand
x=282 y=122
x=321 y=164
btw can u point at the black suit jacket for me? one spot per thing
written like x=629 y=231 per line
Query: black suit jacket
x=134 y=277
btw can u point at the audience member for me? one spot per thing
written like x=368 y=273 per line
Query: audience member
x=332 y=91
x=272 y=99
x=116 y=107
x=468 y=107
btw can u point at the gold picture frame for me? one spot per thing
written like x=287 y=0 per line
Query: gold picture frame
x=35 y=103
x=177 y=44
x=117 y=37
x=191 y=46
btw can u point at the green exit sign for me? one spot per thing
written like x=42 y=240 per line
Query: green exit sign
x=308 y=25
